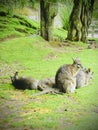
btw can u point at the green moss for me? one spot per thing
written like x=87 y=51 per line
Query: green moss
x=16 y=26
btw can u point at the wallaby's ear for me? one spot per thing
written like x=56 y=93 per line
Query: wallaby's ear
x=89 y=70
x=76 y=60
x=73 y=60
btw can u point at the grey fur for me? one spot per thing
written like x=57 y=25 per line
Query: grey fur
x=24 y=82
x=83 y=78
x=48 y=90
x=65 y=78
x=45 y=83
x=92 y=44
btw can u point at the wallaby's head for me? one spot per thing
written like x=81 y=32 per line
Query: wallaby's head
x=89 y=73
x=77 y=63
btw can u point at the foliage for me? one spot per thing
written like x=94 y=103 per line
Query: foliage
x=95 y=11
x=13 y=26
x=65 y=12
x=60 y=34
x=10 y=5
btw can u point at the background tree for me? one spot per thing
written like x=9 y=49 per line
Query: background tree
x=48 y=10
x=11 y=4
x=80 y=20
x=95 y=10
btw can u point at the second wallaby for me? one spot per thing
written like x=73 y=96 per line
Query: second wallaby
x=92 y=44
x=24 y=82
x=47 y=86
x=45 y=83
x=65 y=79
x=83 y=77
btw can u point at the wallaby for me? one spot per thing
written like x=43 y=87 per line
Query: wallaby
x=65 y=79
x=47 y=86
x=45 y=83
x=24 y=82
x=92 y=44
x=83 y=77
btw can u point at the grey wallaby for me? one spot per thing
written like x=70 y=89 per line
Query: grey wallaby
x=45 y=83
x=65 y=78
x=47 y=86
x=92 y=44
x=83 y=77
x=24 y=82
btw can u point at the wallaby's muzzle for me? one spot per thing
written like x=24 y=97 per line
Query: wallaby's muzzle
x=80 y=66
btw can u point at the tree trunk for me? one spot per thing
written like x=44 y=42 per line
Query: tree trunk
x=47 y=13
x=80 y=20
x=84 y=29
x=86 y=16
x=74 y=32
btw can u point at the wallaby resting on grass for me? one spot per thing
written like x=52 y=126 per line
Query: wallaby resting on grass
x=83 y=78
x=24 y=82
x=65 y=79
x=46 y=83
x=47 y=86
x=92 y=44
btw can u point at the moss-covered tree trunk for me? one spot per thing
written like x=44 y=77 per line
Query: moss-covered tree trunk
x=74 y=32
x=80 y=20
x=47 y=13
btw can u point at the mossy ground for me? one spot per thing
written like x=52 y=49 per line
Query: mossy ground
x=31 y=55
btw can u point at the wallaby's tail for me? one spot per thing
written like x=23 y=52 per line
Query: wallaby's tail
x=48 y=90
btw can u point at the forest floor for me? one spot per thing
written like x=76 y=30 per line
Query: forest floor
x=23 y=51
x=33 y=56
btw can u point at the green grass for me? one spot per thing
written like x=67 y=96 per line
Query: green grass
x=33 y=56
x=30 y=55
x=60 y=34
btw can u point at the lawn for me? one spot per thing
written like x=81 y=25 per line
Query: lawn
x=33 y=56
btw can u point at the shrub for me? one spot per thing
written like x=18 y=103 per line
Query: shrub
x=65 y=13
